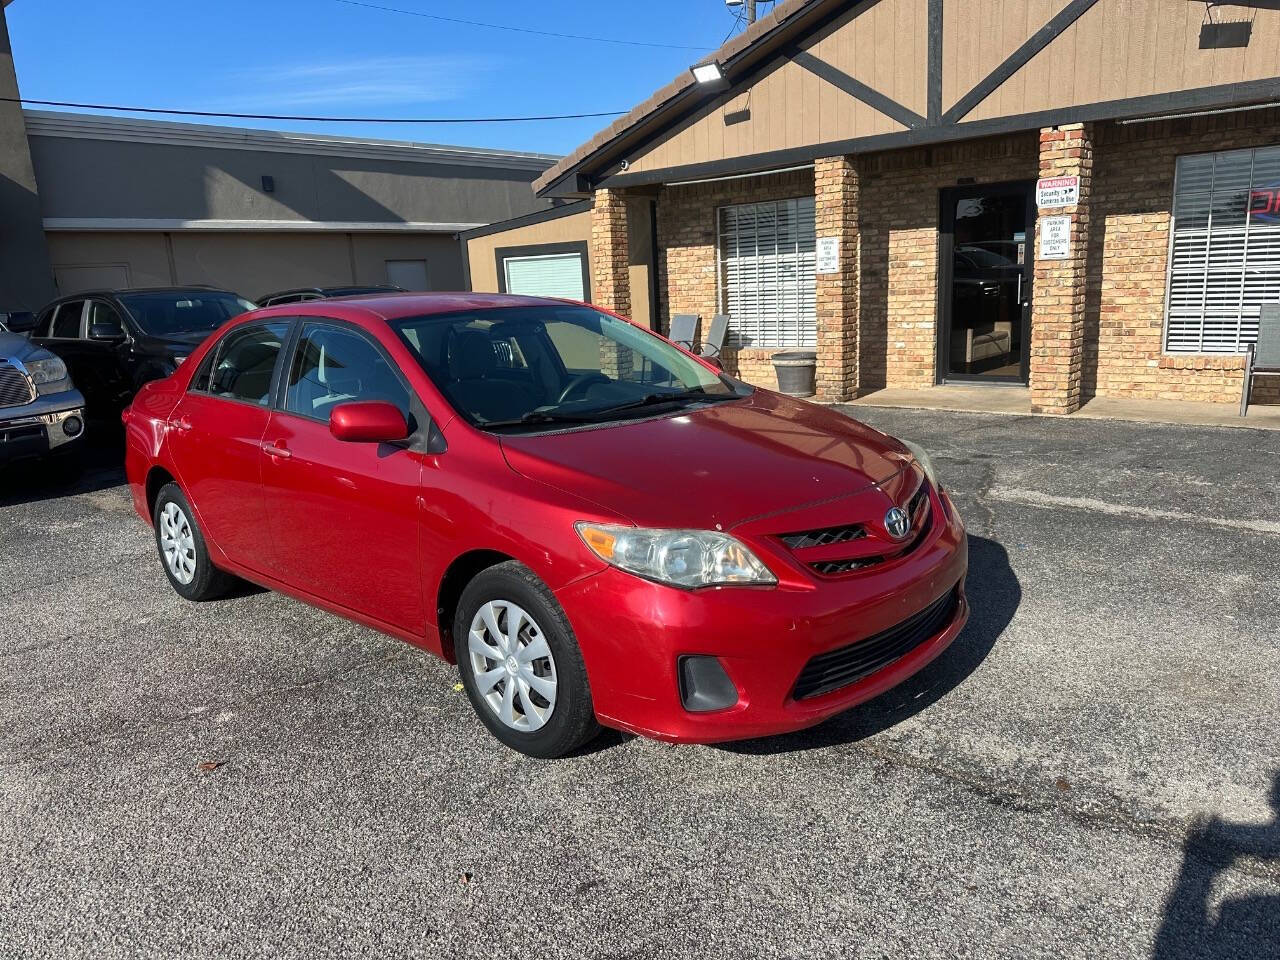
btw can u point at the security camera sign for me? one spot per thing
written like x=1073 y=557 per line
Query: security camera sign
x=1058 y=192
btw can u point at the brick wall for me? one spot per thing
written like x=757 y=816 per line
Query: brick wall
x=836 y=196
x=687 y=267
x=610 y=253
x=1128 y=253
x=899 y=239
x=1058 y=292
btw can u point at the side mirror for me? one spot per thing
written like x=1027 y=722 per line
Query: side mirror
x=371 y=421
x=24 y=321
x=106 y=331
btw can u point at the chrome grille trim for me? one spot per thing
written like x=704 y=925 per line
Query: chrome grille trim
x=15 y=389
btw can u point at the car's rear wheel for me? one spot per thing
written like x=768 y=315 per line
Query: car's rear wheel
x=183 y=552
x=520 y=663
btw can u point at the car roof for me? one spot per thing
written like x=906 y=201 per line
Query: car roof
x=116 y=291
x=396 y=306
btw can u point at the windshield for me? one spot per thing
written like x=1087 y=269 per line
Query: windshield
x=534 y=367
x=161 y=313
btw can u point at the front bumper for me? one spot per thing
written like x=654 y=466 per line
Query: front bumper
x=633 y=634
x=25 y=433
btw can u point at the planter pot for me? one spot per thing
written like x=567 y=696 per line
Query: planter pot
x=797 y=372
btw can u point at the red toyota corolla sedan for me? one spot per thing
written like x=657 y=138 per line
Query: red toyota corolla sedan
x=595 y=525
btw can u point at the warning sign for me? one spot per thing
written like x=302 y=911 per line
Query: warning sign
x=1058 y=192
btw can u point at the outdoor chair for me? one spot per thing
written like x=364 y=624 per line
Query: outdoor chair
x=683 y=328
x=714 y=343
x=1262 y=359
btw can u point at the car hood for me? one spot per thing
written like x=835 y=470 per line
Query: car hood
x=172 y=343
x=14 y=346
x=720 y=464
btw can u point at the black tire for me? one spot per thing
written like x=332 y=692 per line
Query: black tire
x=572 y=721
x=207 y=582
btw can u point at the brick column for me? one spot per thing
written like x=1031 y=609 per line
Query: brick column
x=1058 y=296
x=836 y=190
x=611 y=282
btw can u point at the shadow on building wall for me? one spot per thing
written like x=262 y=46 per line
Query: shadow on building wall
x=1239 y=927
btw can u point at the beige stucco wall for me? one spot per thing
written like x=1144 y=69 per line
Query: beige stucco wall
x=481 y=250
x=573 y=228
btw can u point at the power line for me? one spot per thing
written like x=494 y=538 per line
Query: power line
x=503 y=26
x=285 y=116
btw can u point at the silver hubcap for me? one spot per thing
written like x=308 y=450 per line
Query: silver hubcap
x=177 y=543
x=512 y=664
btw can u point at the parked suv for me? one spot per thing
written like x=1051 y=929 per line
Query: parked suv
x=114 y=341
x=304 y=294
x=41 y=411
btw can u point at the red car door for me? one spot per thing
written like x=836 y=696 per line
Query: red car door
x=217 y=440
x=344 y=515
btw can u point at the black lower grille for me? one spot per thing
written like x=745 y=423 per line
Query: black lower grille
x=839 y=668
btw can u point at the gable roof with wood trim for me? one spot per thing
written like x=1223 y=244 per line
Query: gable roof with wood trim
x=820 y=78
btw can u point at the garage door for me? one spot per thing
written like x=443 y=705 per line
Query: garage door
x=552 y=275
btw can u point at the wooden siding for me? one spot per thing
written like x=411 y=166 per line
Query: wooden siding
x=885 y=47
x=1118 y=49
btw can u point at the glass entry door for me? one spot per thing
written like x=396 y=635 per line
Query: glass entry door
x=988 y=233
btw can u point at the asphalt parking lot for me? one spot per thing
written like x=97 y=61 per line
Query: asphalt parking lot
x=1093 y=769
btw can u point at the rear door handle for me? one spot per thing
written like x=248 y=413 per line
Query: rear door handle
x=271 y=450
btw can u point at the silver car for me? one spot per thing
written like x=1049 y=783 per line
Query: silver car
x=41 y=411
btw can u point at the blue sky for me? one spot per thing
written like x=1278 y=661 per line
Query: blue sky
x=325 y=57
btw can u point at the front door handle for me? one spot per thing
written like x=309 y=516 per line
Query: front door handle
x=271 y=450
x=182 y=425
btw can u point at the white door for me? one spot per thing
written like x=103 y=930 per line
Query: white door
x=553 y=275
x=408 y=274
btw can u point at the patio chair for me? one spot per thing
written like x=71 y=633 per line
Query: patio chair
x=714 y=343
x=1262 y=359
x=683 y=328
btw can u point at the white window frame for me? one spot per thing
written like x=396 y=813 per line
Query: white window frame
x=1242 y=339
x=805 y=342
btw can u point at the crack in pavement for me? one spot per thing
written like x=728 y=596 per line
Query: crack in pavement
x=1034 y=498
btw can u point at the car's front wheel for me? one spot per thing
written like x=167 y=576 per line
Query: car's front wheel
x=520 y=663
x=183 y=551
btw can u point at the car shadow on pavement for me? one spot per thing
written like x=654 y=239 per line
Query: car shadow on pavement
x=97 y=465
x=1244 y=926
x=994 y=595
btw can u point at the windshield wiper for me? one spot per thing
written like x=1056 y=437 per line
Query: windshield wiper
x=656 y=399
x=535 y=417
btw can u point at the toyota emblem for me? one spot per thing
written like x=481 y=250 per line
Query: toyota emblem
x=898 y=522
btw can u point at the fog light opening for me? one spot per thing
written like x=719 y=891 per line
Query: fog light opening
x=72 y=426
x=704 y=686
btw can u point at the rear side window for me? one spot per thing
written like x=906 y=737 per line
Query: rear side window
x=66 y=323
x=336 y=365
x=245 y=361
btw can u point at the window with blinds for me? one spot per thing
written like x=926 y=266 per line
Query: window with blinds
x=556 y=275
x=767 y=273
x=1224 y=259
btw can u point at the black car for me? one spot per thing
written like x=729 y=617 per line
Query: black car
x=114 y=341
x=301 y=294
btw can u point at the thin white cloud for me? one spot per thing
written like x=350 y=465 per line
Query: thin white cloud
x=381 y=81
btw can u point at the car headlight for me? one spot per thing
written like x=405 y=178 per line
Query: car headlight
x=681 y=558
x=49 y=374
x=922 y=458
